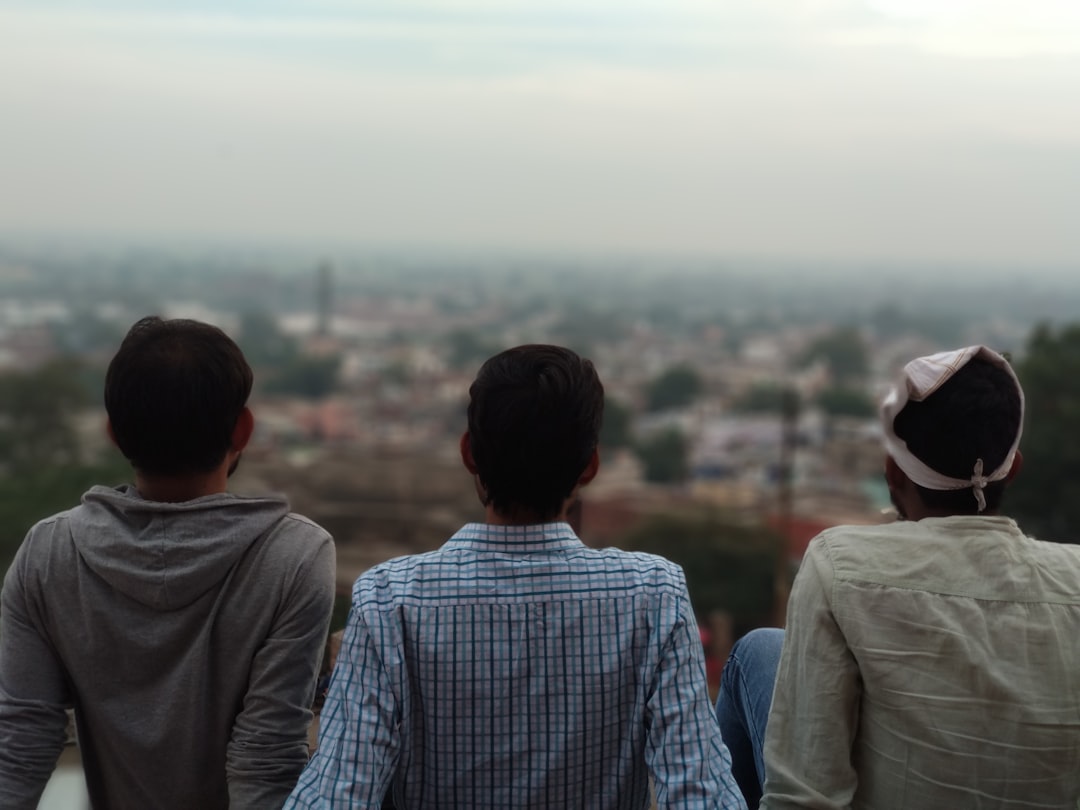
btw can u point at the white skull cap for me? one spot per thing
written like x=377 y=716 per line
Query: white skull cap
x=921 y=378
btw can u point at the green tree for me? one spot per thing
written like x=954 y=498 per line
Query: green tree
x=675 y=388
x=843 y=401
x=665 y=457
x=283 y=368
x=843 y=351
x=35 y=411
x=46 y=489
x=764 y=398
x=615 y=429
x=1045 y=496
x=305 y=376
x=263 y=343
x=41 y=466
x=729 y=566
x=467 y=350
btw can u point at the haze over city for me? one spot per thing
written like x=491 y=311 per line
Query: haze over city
x=813 y=130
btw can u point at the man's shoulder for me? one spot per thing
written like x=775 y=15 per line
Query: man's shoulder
x=875 y=553
x=902 y=537
x=898 y=537
x=295 y=540
x=38 y=542
x=980 y=556
x=47 y=549
x=849 y=535
x=52 y=525
x=607 y=558
x=61 y=517
x=651 y=567
x=298 y=525
x=451 y=568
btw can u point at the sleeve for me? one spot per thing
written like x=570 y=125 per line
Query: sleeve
x=33 y=697
x=815 y=709
x=269 y=744
x=360 y=736
x=689 y=763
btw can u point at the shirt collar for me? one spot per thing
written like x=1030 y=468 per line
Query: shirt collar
x=977 y=524
x=498 y=538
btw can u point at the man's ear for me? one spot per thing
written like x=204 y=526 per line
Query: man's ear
x=591 y=468
x=1017 y=465
x=245 y=426
x=110 y=434
x=466 y=453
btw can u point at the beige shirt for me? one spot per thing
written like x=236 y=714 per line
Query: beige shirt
x=929 y=664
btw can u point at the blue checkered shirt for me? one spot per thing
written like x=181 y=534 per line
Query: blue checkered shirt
x=517 y=668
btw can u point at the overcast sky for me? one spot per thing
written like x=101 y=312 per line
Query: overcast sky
x=897 y=130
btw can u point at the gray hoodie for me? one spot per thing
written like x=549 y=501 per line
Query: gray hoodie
x=187 y=636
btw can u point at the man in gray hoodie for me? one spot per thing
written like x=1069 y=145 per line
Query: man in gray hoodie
x=182 y=623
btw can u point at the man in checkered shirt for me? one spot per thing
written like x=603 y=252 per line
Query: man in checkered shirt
x=515 y=667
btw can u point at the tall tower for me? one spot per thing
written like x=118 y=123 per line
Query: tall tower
x=324 y=298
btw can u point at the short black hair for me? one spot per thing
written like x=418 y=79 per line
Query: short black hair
x=174 y=392
x=534 y=422
x=975 y=414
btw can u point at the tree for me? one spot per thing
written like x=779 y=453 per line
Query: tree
x=1045 y=496
x=306 y=377
x=729 y=566
x=615 y=430
x=35 y=411
x=844 y=401
x=764 y=398
x=283 y=368
x=41 y=466
x=675 y=388
x=46 y=489
x=665 y=457
x=263 y=343
x=467 y=350
x=843 y=351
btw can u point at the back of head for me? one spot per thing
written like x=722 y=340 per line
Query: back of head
x=174 y=392
x=534 y=422
x=975 y=414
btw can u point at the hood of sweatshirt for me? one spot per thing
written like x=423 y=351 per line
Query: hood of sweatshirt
x=167 y=555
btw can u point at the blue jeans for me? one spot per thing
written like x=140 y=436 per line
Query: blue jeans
x=746 y=688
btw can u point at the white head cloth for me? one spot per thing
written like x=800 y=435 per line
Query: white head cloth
x=921 y=378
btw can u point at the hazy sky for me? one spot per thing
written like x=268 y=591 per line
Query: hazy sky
x=885 y=129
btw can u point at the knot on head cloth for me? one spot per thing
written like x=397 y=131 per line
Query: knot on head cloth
x=918 y=381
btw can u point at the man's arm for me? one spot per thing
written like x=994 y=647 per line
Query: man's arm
x=33 y=698
x=815 y=708
x=268 y=748
x=689 y=763
x=359 y=737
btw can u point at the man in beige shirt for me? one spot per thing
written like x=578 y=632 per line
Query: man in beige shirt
x=933 y=662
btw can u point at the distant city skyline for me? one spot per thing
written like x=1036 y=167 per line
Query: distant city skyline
x=842 y=130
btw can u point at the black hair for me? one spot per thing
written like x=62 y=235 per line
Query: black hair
x=174 y=392
x=534 y=422
x=974 y=414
